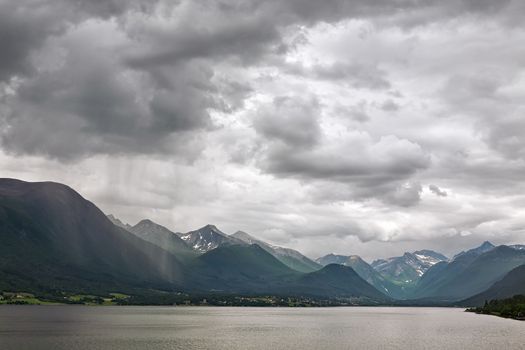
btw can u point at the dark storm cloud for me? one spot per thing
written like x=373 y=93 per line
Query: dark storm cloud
x=162 y=80
x=23 y=29
x=291 y=120
x=179 y=42
x=25 y=26
x=404 y=13
x=367 y=167
x=97 y=107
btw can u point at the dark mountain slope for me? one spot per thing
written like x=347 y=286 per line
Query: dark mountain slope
x=291 y=258
x=52 y=238
x=442 y=273
x=252 y=270
x=116 y=221
x=512 y=284
x=483 y=248
x=336 y=281
x=239 y=269
x=366 y=272
x=469 y=274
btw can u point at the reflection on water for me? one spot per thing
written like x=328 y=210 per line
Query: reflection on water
x=80 y=327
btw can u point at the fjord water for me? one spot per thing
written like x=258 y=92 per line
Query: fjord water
x=80 y=327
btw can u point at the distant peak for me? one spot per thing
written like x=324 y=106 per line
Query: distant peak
x=211 y=227
x=483 y=248
x=146 y=222
x=487 y=244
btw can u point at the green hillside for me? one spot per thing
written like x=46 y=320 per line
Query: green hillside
x=512 y=284
x=53 y=239
x=468 y=275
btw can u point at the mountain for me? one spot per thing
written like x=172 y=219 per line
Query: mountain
x=208 y=238
x=407 y=269
x=441 y=273
x=250 y=269
x=54 y=239
x=238 y=269
x=163 y=238
x=289 y=257
x=483 y=248
x=366 y=272
x=469 y=273
x=338 y=281
x=512 y=284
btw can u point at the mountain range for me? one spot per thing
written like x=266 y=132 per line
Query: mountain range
x=55 y=241
x=469 y=273
x=408 y=268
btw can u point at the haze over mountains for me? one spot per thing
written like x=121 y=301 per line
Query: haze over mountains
x=54 y=240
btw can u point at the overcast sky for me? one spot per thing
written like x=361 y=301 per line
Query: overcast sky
x=356 y=127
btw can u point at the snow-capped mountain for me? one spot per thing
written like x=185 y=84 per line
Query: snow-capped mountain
x=409 y=267
x=291 y=258
x=427 y=258
x=207 y=238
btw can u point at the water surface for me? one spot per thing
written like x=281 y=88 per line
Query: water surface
x=81 y=327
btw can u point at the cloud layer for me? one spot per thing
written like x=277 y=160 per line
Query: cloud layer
x=348 y=126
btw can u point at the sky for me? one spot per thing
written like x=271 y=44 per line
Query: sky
x=355 y=127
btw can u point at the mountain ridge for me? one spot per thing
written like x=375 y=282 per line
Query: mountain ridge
x=290 y=257
x=408 y=268
x=469 y=274
x=53 y=239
